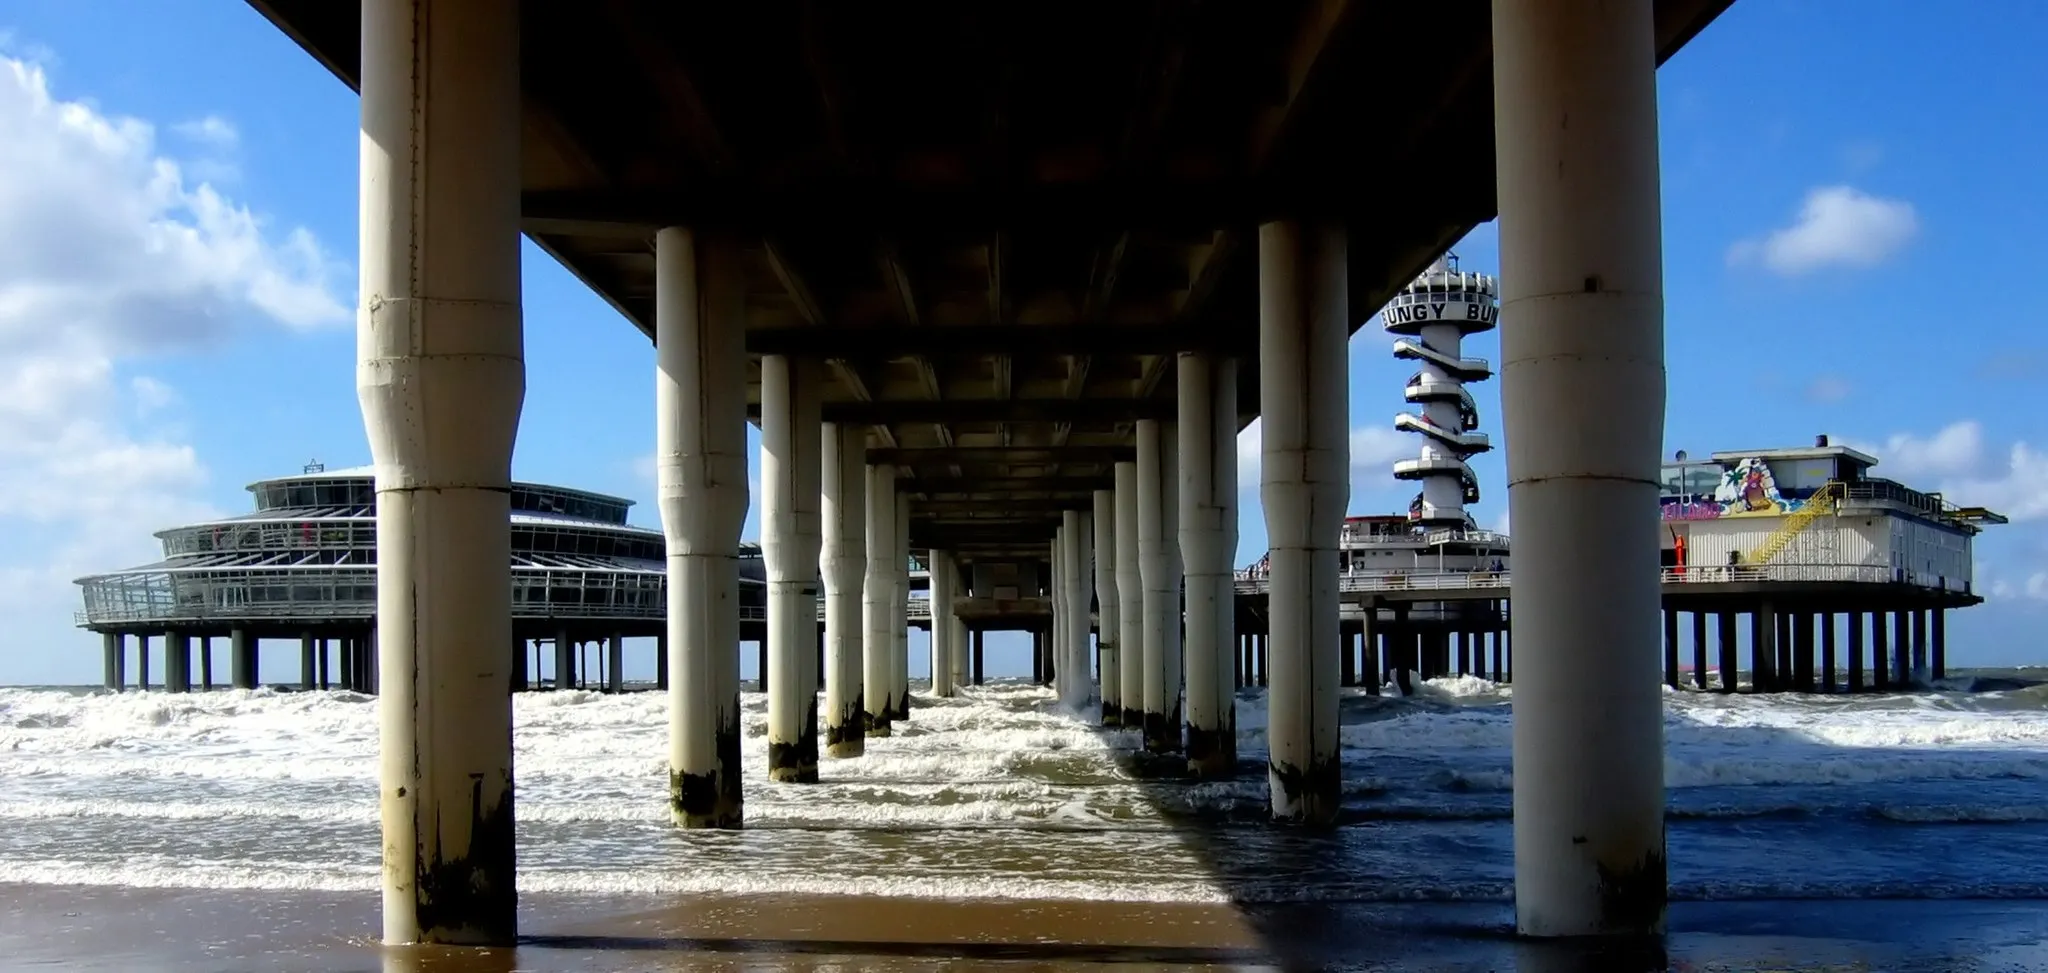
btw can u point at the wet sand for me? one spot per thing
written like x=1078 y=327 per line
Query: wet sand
x=188 y=931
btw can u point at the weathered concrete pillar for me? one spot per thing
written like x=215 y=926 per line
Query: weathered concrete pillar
x=1725 y=633
x=204 y=643
x=615 y=664
x=1077 y=587
x=700 y=412
x=115 y=659
x=565 y=659
x=958 y=645
x=177 y=662
x=844 y=566
x=1763 y=649
x=1699 y=650
x=1304 y=485
x=900 y=609
x=242 y=659
x=1162 y=631
x=141 y=661
x=1802 y=651
x=1827 y=652
x=1670 y=648
x=881 y=602
x=979 y=655
x=1881 y=673
x=1108 y=609
x=790 y=540
x=308 y=674
x=441 y=376
x=1922 y=675
x=1130 y=600
x=942 y=626
x=660 y=661
x=1207 y=524
x=1858 y=621
x=1582 y=389
x=1903 y=673
x=1939 y=646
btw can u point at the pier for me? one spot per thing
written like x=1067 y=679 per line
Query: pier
x=1031 y=253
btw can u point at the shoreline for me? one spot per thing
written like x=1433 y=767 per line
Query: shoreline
x=192 y=930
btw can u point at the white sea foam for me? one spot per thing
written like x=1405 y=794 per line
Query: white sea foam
x=994 y=794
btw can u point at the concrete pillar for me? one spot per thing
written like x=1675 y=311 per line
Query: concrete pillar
x=1802 y=651
x=518 y=683
x=177 y=662
x=115 y=659
x=881 y=603
x=790 y=541
x=1304 y=312
x=345 y=660
x=1724 y=632
x=565 y=659
x=1939 y=645
x=242 y=659
x=661 y=661
x=1857 y=622
x=1130 y=601
x=942 y=627
x=700 y=413
x=844 y=565
x=205 y=645
x=1921 y=674
x=1108 y=609
x=1582 y=389
x=1903 y=674
x=1077 y=589
x=1670 y=648
x=1827 y=652
x=1207 y=525
x=979 y=658
x=323 y=659
x=441 y=377
x=958 y=644
x=899 y=609
x=141 y=661
x=306 y=664
x=615 y=664
x=1763 y=649
x=1162 y=631
x=1369 y=650
x=1699 y=650
x=1881 y=673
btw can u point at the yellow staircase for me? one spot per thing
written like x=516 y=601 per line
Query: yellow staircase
x=1822 y=503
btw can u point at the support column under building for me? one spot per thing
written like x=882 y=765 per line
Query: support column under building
x=308 y=664
x=1881 y=673
x=1130 y=601
x=881 y=603
x=565 y=659
x=1078 y=587
x=115 y=659
x=958 y=658
x=615 y=664
x=899 y=609
x=790 y=541
x=844 y=565
x=1858 y=621
x=141 y=661
x=1938 y=645
x=1763 y=649
x=1826 y=672
x=205 y=646
x=700 y=398
x=1699 y=650
x=1582 y=389
x=441 y=376
x=1903 y=674
x=1731 y=665
x=1304 y=485
x=941 y=581
x=1921 y=674
x=1162 y=630
x=1207 y=525
x=1109 y=622
x=242 y=659
x=177 y=662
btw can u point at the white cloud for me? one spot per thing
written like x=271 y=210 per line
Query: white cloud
x=110 y=251
x=1837 y=226
x=1955 y=462
x=212 y=129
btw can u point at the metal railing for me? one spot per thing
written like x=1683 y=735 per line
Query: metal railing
x=1251 y=583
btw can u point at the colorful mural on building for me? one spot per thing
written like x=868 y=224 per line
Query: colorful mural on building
x=1747 y=489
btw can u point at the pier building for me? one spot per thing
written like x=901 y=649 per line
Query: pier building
x=303 y=567
x=1030 y=266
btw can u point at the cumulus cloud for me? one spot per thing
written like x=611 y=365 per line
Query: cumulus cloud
x=110 y=252
x=1373 y=452
x=1837 y=226
x=1956 y=462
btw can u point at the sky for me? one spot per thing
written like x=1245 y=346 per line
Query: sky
x=1851 y=211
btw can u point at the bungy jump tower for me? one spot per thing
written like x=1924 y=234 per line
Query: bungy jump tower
x=1431 y=318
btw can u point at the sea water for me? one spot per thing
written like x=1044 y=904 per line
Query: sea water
x=999 y=793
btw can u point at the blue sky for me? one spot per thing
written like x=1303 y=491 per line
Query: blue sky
x=1851 y=218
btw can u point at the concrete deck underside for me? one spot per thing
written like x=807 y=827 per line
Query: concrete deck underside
x=997 y=222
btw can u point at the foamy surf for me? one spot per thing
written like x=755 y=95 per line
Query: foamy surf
x=1001 y=793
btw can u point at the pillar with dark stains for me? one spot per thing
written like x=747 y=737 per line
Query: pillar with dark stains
x=701 y=461
x=242 y=659
x=881 y=602
x=843 y=564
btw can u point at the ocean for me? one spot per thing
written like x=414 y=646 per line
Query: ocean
x=998 y=796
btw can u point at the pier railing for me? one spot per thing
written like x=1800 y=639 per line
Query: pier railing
x=1252 y=583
